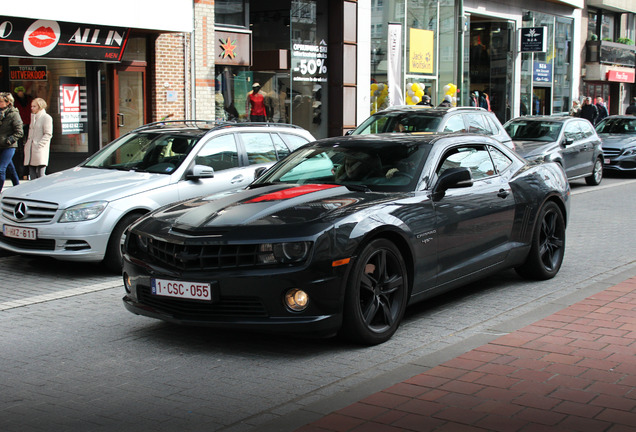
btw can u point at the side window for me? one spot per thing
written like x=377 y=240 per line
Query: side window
x=587 y=129
x=455 y=124
x=500 y=160
x=281 y=148
x=572 y=131
x=476 y=158
x=293 y=141
x=476 y=123
x=259 y=147
x=219 y=153
x=492 y=125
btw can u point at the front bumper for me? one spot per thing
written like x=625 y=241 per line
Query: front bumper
x=81 y=241
x=251 y=300
x=620 y=163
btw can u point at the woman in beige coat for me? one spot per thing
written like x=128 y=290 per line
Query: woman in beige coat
x=37 y=146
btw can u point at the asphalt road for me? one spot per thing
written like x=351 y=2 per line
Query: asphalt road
x=72 y=359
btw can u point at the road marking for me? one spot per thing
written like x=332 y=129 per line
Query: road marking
x=601 y=187
x=58 y=295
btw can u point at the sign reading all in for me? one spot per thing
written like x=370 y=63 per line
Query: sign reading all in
x=534 y=39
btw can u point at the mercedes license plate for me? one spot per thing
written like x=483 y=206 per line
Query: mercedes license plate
x=20 y=233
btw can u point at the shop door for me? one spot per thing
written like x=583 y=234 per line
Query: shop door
x=489 y=55
x=128 y=99
x=542 y=101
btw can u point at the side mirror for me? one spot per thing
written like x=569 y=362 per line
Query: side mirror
x=259 y=172
x=349 y=132
x=452 y=178
x=567 y=141
x=200 y=171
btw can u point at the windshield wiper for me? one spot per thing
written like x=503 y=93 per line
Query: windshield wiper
x=357 y=187
x=258 y=185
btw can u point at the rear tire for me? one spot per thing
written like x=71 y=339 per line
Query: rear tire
x=597 y=174
x=114 y=258
x=377 y=294
x=548 y=245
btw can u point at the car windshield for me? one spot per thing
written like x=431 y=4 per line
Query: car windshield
x=617 y=126
x=399 y=122
x=534 y=130
x=381 y=167
x=149 y=152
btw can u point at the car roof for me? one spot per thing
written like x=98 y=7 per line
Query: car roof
x=407 y=139
x=206 y=126
x=429 y=111
x=544 y=118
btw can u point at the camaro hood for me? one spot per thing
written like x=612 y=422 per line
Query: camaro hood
x=618 y=141
x=529 y=149
x=80 y=185
x=270 y=205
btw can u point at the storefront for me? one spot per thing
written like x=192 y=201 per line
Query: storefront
x=281 y=45
x=90 y=68
x=522 y=59
x=413 y=52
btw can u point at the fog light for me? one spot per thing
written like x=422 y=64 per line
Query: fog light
x=296 y=300
x=127 y=283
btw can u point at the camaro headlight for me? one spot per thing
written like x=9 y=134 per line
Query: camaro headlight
x=83 y=212
x=283 y=253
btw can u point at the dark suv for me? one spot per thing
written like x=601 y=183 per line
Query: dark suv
x=417 y=118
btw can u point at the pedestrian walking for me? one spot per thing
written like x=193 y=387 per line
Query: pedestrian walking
x=37 y=147
x=602 y=110
x=23 y=104
x=589 y=110
x=631 y=110
x=10 y=132
x=447 y=102
x=575 y=111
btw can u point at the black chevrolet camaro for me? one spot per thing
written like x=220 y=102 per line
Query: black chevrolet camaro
x=346 y=232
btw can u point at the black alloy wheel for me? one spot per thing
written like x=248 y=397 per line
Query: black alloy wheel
x=377 y=293
x=548 y=245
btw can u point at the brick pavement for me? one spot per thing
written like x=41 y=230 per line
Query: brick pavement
x=572 y=371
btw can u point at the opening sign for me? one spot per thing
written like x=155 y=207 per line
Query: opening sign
x=73 y=105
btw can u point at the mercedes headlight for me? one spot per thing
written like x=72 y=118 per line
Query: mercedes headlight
x=83 y=212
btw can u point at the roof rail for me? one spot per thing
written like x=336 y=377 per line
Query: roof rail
x=212 y=124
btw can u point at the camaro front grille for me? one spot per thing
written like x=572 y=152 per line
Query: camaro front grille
x=28 y=211
x=202 y=257
x=197 y=309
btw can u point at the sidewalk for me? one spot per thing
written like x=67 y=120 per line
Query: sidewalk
x=572 y=371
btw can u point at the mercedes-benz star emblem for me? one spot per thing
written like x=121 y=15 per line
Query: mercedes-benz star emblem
x=20 y=210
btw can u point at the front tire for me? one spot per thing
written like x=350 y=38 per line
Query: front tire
x=377 y=294
x=114 y=258
x=548 y=245
x=597 y=174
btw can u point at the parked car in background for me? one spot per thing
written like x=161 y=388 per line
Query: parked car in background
x=345 y=232
x=570 y=141
x=80 y=214
x=618 y=133
x=419 y=118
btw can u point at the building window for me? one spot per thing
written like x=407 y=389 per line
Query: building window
x=231 y=13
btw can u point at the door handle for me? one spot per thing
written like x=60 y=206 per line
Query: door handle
x=503 y=193
x=238 y=179
x=120 y=120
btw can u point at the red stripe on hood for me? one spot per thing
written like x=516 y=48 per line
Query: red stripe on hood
x=292 y=192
